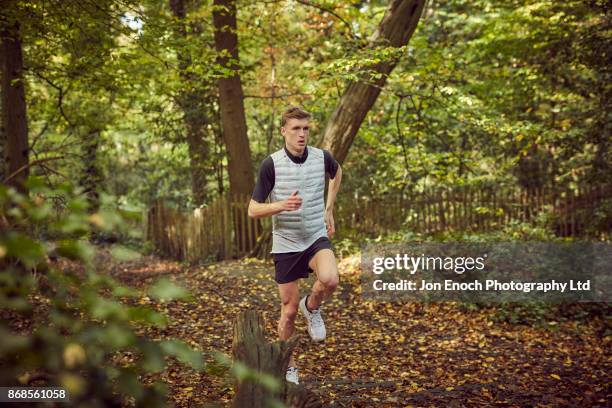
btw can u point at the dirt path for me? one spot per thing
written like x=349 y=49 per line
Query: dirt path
x=384 y=354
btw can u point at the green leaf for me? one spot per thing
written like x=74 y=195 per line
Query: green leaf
x=122 y=253
x=112 y=336
x=40 y=213
x=183 y=353
x=152 y=356
x=127 y=383
x=74 y=223
x=124 y=291
x=77 y=250
x=146 y=315
x=36 y=184
x=27 y=250
x=107 y=220
x=242 y=372
x=164 y=290
x=10 y=343
x=101 y=308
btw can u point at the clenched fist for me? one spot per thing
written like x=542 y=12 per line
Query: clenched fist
x=292 y=203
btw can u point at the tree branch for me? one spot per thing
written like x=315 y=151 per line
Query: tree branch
x=60 y=96
x=27 y=166
x=333 y=13
x=39 y=135
x=400 y=134
x=276 y=96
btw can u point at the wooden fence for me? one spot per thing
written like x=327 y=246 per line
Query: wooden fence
x=222 y=230
x=581 y=212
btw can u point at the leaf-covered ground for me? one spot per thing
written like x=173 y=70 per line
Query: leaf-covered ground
x=383 y=354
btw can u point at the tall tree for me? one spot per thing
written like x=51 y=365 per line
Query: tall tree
x=395 y=29
x=231 y=98
x=91 y=177
x=14 y=118
x=89 y=52
x=196 y=102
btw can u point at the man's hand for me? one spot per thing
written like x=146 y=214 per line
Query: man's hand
x=293 y=203
x=329 y=222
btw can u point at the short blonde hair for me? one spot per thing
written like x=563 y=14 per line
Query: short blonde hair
x=294 y=112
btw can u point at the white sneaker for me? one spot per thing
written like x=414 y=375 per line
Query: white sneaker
x=292 y=375
x=316 y=327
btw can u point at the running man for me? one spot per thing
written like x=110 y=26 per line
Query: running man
x=294 y=178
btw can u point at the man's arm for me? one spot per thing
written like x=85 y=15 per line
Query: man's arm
x=259 y=210
x=334 y=186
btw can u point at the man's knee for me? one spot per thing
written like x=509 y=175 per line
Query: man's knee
x=289 y=312
x=330 y=282
x=324 y=264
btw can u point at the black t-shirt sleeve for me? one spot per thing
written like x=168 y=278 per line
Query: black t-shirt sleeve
x=265 y=180
x=331 y=165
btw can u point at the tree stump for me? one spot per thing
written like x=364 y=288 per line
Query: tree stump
x=251 y=348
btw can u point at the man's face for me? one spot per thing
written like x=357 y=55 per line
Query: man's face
x=295 y=132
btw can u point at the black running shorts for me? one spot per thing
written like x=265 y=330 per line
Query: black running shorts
x=291 y=266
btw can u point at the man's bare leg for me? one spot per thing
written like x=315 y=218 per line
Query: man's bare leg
x=326 y=269
x=290 y=298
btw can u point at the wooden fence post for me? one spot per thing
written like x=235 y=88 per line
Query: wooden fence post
x=228 y=218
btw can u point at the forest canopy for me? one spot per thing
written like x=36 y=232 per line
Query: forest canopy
x=122 y=97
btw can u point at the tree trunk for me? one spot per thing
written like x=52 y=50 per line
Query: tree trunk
x=231 y=106
x=14 y=118
x=90 y=119
x=395 y=29
x=91 y=179
x=195 y=104
x=231 y=99
x=198 y=157
x=251 y=348
x=2 y=132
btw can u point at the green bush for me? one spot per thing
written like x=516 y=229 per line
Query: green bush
x=64 y=327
